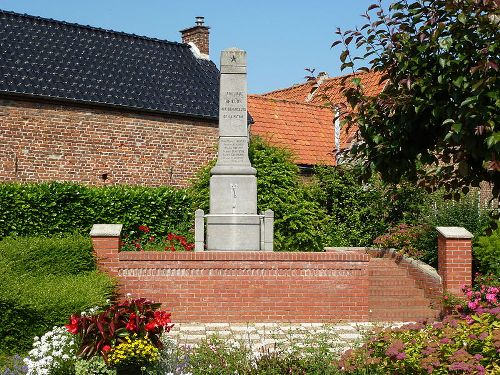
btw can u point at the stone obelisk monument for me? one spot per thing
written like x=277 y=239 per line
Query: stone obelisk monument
x=233 y=222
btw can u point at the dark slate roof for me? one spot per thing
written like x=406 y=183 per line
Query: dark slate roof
x=64 y=61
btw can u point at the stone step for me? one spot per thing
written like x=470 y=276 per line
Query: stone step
x=396 y=292
x=403 y=315
x=393 y=301
x=387 y=272
x=378 y=281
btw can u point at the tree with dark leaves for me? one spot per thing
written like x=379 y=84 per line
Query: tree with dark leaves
x=436 y=121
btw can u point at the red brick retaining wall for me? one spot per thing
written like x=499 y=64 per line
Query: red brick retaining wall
x=46 y=142
x=244 y=286
x=294 y=287
x=425 y=276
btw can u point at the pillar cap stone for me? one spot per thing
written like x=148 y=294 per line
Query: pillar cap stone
x=454 y=232
x=106 y=230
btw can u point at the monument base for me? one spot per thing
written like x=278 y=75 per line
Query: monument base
x=233 y=232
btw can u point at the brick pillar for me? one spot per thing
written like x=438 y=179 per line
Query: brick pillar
x=454 y=258
x=106 y=244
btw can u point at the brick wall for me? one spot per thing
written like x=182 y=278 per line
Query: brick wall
x=44 y=142
x=244 y=286
x=426 y=278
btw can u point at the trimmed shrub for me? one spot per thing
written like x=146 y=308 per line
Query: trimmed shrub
x=59 y=208
x=44 y=280
x=48 y=256
x=18 y=324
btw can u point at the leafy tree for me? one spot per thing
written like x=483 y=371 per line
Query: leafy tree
x=434 y=122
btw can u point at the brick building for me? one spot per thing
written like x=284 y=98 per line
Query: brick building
x=319 y=95
x=79 y=103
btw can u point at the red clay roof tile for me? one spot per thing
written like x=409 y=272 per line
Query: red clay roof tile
x=305 y=129
x=327 y=92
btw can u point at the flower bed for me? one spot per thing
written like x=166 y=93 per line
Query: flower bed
x=145 y=240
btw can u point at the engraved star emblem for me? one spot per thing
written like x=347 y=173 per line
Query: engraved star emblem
x=233 y=59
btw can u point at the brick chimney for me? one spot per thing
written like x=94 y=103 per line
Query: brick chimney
x=197 y=35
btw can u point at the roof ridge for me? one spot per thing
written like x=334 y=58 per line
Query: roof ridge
x=313 y=82
x=360 y=72
x=287 y=88
x=261 y=96
x=88 y=27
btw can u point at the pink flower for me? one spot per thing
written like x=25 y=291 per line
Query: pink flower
x=490 y=297
x=473 y=305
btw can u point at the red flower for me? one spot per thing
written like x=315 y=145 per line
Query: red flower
x=131 y=326
x=170 y=236
x=162 y=318
x=106 y=348
x=144 y=228
x=150 y=326
x=72 y=327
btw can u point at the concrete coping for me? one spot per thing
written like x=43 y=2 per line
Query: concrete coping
x=345 y=248
x=454 y=232
x=106 y=230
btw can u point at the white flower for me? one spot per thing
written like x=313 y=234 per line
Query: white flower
x=50 y=352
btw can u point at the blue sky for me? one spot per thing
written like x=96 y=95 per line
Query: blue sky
x=281 y=37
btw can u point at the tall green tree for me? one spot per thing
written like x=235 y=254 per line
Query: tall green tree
x=436 y=121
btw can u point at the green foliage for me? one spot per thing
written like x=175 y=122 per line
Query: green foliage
x=218 y=357
x=18 y=325
x=40 y=290
x=453 y=346
x=464 y=213
x=48 y=256
x=55 y=297
x=358 y=212
x=355 y=210
x=12 y=365
x=419 y=238
x=60 y=208
x=403 y=238
x=93 y=366
x=434 y=122
x=487 y=254
x=299 y=220
x=314 y=354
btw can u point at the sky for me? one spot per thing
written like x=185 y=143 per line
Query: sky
x=282 y=37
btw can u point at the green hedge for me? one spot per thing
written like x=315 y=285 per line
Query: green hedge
x=48 y=256
x=59 y=208
x=44 y=281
